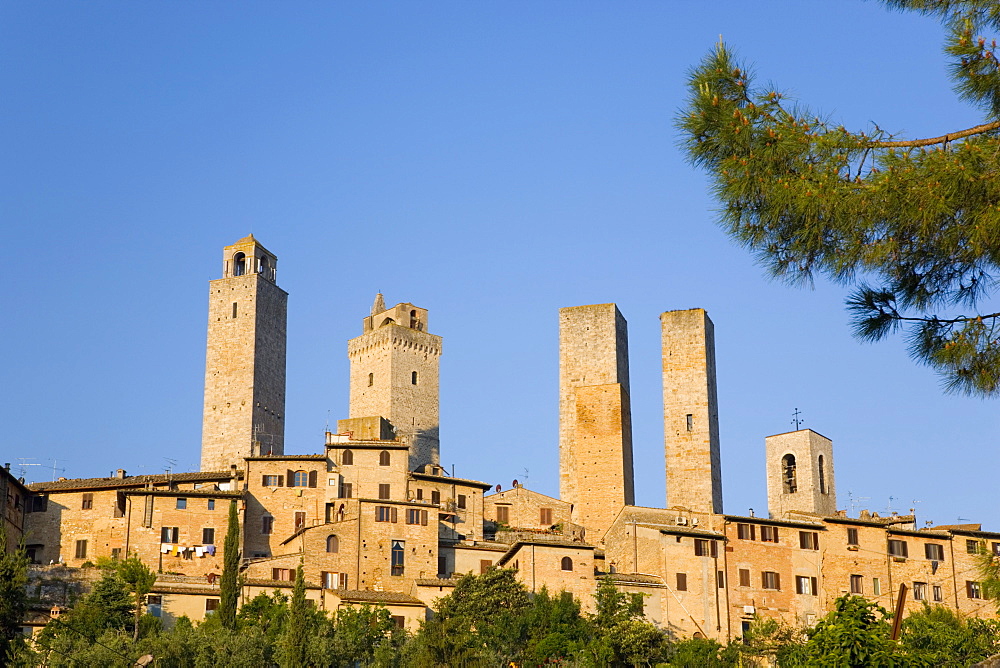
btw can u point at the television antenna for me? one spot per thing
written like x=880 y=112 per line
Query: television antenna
x=856 y=501
x=171 y=464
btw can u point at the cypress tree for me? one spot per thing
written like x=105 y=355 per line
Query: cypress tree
x=229 y=583
x=294 y=640
x=13 y=597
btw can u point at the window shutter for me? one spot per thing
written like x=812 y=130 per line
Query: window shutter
x=147 y=513
x=815 y=586
x=263 y=481
x=423 y=517
x=798 y=585
x=392 y=512
x=815 y=540
x=777 y=581
x=968 y=589
x=715 y=549
x=312 y=478
x=290 y=475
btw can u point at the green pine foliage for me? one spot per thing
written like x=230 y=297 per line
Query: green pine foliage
x=913 y=226
x=229 y=583
x=13 y=599
x=937 y=636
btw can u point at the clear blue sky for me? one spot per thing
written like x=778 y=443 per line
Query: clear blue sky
x=490 y=162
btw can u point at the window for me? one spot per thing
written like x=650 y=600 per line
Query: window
x=857 y=584
x=996 y=549
x=208 y=536
x=182 y=504
x=545 y=516
x=808 y=540
x=399 y=621
x=116 y=553
x=770 y=580
x=416 y=516
x=383 y=458
x=897 y=548
x=938 y=597
x=746 y=532
x=822 y=476
x=37 y=504
x=299 y=479
x=347 y=458
x=332 y=543
x=300 y=520
x=234 y=309
x=383 y=491
x=81 y=549
x=461 y=503
x=852 y=537
x=744 y=577
x=566 y=564
x=971 y=546
x=769 y=534
x=484 y=565
x=436 y=497
x=334 y=580
x=682 y=582
x=398 y=549
x=919 y=591
x=788 y=474
x=282 y=574
x=88 y=502
x=371 y=379
x=705 y=548
x=503 y=514
x=972 y=589
x=385 y=514
x=720 y=579
x=805 y=585
x=934 y=551
x=239 y=264
x=154 y=605
x=266 y=525
x=413 y=378
x=211 y=504
x=876 y=586
x=689 y=420
x=272 y=481
x=169 y=534
x=346 y=490
x=211 y=605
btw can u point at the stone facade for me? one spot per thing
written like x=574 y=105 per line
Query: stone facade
x=690 y=411
x=244 y=409
x=595 y=422
x=800 y=475
x=394 y=375
x=15 y=499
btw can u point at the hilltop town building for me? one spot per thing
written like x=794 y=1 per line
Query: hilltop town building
x=375 y=520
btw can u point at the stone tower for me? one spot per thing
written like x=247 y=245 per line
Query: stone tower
x=394 y=375
x=595 y=421
x=800 y=474
x=245 y=361
x=690 y=411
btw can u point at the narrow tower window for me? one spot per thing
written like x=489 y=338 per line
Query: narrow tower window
x=788 y=473
x=239 y=264
x=332 y=543
x=413 y=378
x=234 y=309
x=690 y=422
x=347 y=458
x=383 y=458
x=371 y=379
x=822 y=477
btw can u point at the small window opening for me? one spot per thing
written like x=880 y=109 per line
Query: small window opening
x=384 y=459
x=822 y=476
x=234 y=309
x=690 y=422
x=239 y=264
x=332 y=543
x=371 y=379
x=567 y=564
x=788 y=473
x=413 y=378
x=347 y=459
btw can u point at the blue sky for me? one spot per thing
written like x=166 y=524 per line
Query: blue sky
x=490 y=162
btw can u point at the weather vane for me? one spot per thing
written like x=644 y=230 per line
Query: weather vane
x=795 y=418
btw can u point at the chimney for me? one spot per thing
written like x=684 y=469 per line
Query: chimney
x=120 y=474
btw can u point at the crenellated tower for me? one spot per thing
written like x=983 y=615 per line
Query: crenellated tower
x=394 y=375
x=244 y=409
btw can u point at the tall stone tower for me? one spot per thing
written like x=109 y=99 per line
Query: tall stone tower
x=245 y=361
x=394 y=375
x=800 y=474
x=595 y=420
x=690 y=411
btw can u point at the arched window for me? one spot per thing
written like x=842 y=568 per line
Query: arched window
x=387 y=321
x=383 y=458
x=413 y=378
x=340 y=513
x=822 y=476
x=788 y=474
x=300 y=479
x=332 y=543
x=347 y=458
x=567 y=564
x=264 y=269
x=239 y=264
x=371 y=379
x=414 y=323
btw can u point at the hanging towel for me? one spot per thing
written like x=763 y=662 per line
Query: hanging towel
x=198 y=551
x=211 y=550
x=174 y=551
x=165 y=548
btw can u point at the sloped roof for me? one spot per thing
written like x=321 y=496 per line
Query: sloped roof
x=132 y=481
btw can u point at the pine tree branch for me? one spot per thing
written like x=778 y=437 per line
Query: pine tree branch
x=947 y=321
x=943 y=139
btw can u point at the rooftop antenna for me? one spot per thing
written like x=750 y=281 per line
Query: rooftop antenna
x=795 y=418
x=525 y=476
x=327 y=421
x=856 y=501
x=171 y=463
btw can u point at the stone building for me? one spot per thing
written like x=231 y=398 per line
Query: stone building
x=374 y=519
x=16 y=500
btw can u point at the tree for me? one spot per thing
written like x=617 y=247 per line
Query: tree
x=139 y=580
x=622 y=636
x=912 y=225
x=855 y=633
x=295 y=637
x=229 y=583
x=13 y=597
x=937 y=636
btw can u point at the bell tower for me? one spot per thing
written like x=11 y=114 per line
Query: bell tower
x=394 y=375
x=245 y=360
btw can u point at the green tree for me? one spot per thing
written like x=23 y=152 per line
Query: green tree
x=557 y=629
x=139 y=580
x=937 y=636
x=912 y=225
x=229 y=583
x=622 y=636
x=13 y=598
x=295 y=636
x=855 y=633
x=361 y=633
